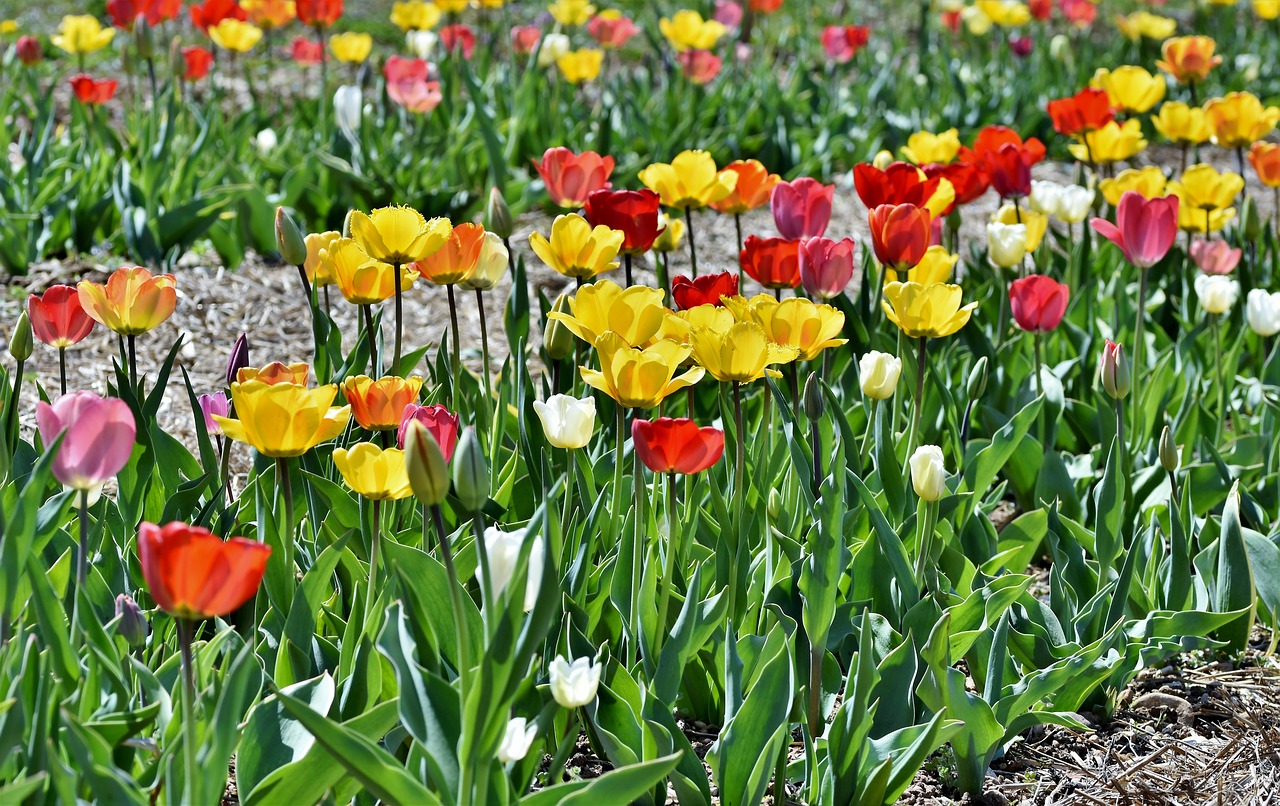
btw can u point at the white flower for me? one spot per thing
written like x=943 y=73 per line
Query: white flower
x=928 y=472
x=878 y=372
x=1006 y=244
x=1044 y=196
x=552 y=48
x=503 y=549
x=567 y=421
x=574 y=684
x=1262 y=310
x=1060 y=49
x=421 y=43
x=516 y=740
x=347 y=109
x=1074 y=203
x=266 y=141
x=1217 y=292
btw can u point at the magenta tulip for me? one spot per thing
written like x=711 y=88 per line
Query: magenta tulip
x=214 y=404
x=802 y=209
x=99 y=437
x=442 y=423
x=1144 y=229
x=826 y=266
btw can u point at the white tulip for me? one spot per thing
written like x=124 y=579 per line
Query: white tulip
x=1045 y=196
x=1006 y=244
x=492 y=264
x=421 y=43
x=928 y=472
x=266 y=141
x=567 y=421
x=347 y=109
x=574 y=684
x=878 y=373
x=516 y=740
x=1217 y=292
x=503 y=549
x=1074 y=204
x=553 y=47
x=1262 y=310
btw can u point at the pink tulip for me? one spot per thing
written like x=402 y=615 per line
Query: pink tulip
x=408 y=86
x=700 y=66
x=1144 y=230
x=826 y=266
x=442 y=423
x=525 y=39
x=728 y=13
x=99 y=437
x=1215 y=257
x=611 y=32
x=802 y=209
x=214 y=404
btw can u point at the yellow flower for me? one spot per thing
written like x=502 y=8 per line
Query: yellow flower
x=689 y=181
x=1189 y=58
x=361 y=279
x=1037 y=225
x=1149 y=181
x=234 y=35
x=639 y=378
x=739 y=355
x=318 y=270
x=930 y=311
x=79 y=34
x=451 y=6
x=270 y=13
x=1205 y=198
x=634 y=314
x=1239 y=120
x=374 y=473
x=415 y=15
x=801 y=323
x=284 y=419
x=687 y=30
x=576 y=249
x=581 y=65
x=678 y=325
x=131 y=302
x=936 y=267
x=1145 y=24
x=1130 y=88
x=352 y=48
x=1005 y=13
x=8 y=27
x=571 y=12
x=1180 y=123
x=1112 y=143
x=672 y=234
x=923 y=148
x=1266 y=9
x=399 y=235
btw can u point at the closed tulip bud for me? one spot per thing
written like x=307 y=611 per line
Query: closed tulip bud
x=516 y=739
x=928 y=472
x=774 y=504
x=1250 y=220
x=556 y=338
x=22 y=342
x=1169 y=458
x=143 y=39
x=574 y=685
x=882 y=159
x=133 y=626
x=289 y=241
x=878 y=374
x=1114 y=371
x=567 y=422
x=497 y=216
x=977 y=379
x=425 y=465
x=1060 y=49
x=814 y=403
x=238 y=360
x=470 y=472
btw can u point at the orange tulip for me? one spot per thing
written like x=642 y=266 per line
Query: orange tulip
x=755 y=185
x=1189 y=58
x=378 y=405
x=194 y=574
x=274 y=373
x=1265 y=158
x=131 y=302
x=900 y=234
x=457 y=259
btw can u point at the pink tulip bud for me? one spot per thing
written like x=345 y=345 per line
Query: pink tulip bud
x=99 y=437
x=214 y=404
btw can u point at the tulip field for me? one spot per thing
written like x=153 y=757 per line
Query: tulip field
x=608 y=402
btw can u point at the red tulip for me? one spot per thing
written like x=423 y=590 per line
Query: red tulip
x=1021 y=46
x=700 y=66
x=900 y=234
x=442 y=423
x=676 y=445
x=212 y=12
x=802 y=209
x=58 y=319
x=1080 y=13
x=706 y=289
x=1144 y=230
x=634 y=213
x=1038 y=302
x=92 y=92
x=194 y=574
x=1086 y=111
x=900 y=183
x=319 y=13
x=842 y=42
x=458 y=38
x=570 y=178
x=29 y=50
x=125 y=12
x=1006 y=159
x=306 y=51
x=525 y=38
x=196 y=61
x=826 y=266
x=764 y=6
x=771 y=262
x=1040 y=9
x=611 y=32
x=968 y=180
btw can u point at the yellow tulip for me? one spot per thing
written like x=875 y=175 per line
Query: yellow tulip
x=1145 y=24
x=374 y=473
x=283 y=420
x=318 y=270
x=399 y=235
x=1239 y=120
x=1130 y=88
x=570 y=13
x=633 y=314
x=234 y=35
x=678 y=325
x=942 y=199
x=936 y=267
x=415 y=15
x=1205 y=198
x=639 y=378
x=1037 y=225
x=924 y=148
x=361 y=279
x=131 y=302
x=671 y=236
x=352 y=48
x=576 y=249
x=1005 y=13
x=1180 y=123
x=1112 y=143
x=932 y=311
x=801 y=323
x=79 y=34
x=741 y=354
x=8 y=27
x=687 y=30
x=1266 y=9
x=744 y=309
x=578 y=66
x=691 y=180
x=452 y=6
x=1149 y=181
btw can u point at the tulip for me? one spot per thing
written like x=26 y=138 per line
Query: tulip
x=319 y=13
x=1131 y=88
x=802 y=324
x=218 y=404
x=579 y=66
x=1138 y=25
x=639 y=378
x=91 y=91
x=1006 y=244
x=672 y=232
x=1188 y=58
x=826 y=266
x=196 y=62
x=319 y=271
x=131 y=302
x=1111 y=143
x=574 y=685
x=98 y=442
x=378 y=404
x=270 y=14
x=570 y=178
x=1215 y=257
x=842 y=43
x=81 y=34
x=234 y=35
x=1179 y=123
x=740 y=355
x=1148 y=182
x=409 y=84
x=1086 y=111
x=441 y=423
x=193 y=574
x=709 y=289
x=415 y=15
x=699 y=66
x=926 y=311
x=802 y=209
x=503 y=550
x=633 y=314
x=1205 y=197
x=900 y=234
x=610 y=29
x=728 y=13
x=1114 y=371
x=490 y=266
x=1266 y=9
x=557 y=341
x=1262 y=312
x=1217 y=293
x=1265 y=158
x=1005 y=13
x=690 y=181
x=1239 y=119
x=398 y=235
x=517 y=737
x=1067 y=203
x=928 y=473
x=361 y=279
x=271 y=374
x=131 y=623
x=456 y=259
x=425 y=466
x=927 y=148
x=772 y=262
x=29 y=50
x=901 y=183
x=348 y=109
x=935 y=267
x=567 y=422
x=1038 y=302
x=1144 y=229
x=1037 y=223
x=1007 y=159
x=968 y=181
x=555 y=45
x=58 y=318
x=212 y=12
x=576 y=249
x=633 y=213
x=687 y=30
x=283 y=420
x=372 y=472
x=525 y=39
x=571 y=13
x=352 y=48
x=305 y=51
x=752 y=189
x=878 y=374
x=667 y=445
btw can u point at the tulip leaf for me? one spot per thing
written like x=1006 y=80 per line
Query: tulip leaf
x=619 y=786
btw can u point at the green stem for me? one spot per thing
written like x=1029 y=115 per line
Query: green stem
x=375 y=539
x=456 y=357
x=374 y=363
x=62 y=368
x=185 y=634
x=487 y=592
x=132 y=341
x=484 y=348
x=1222 y=410
x=465 y=794
x=917 y=413
x=395 y=361
x=669 y=575
x=11 y=418
x=693 y=243
x=739 y=499
x=865 y=451
x=1138 y=340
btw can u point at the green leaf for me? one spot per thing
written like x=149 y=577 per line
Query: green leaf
x=618 y=786
x=1234 y=584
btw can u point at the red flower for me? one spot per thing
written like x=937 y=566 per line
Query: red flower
x=676 y=445
x=842 y=42
x=125 y=12
x=440 y=422
x=91 y=92
x=802 y=209
x=1080 y=13
x=900 y=234
x=967 y=178
x=29 y=50
x=212 y=12
x=706 y=289
x=1040 y=9
x=319 y=13
x=305 y=51
x=194 y=574
x=771 y=262
x=1006 y=159
x=900 y=183
x=1086 y=111
x=1038 y=302
x=765 y=6
x=458 y=37
x=1021 y=46
x=700 y=66
x=58 y=319
x=525 y=38
x=570 y=178
x=634 y=213
x=197 y=61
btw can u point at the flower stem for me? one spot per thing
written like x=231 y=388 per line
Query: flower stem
x=455 y=598
x=375 y=539
x=62 y=368
x=1217 y=353
x=739 y=499
x=668 y=576
x=484 y=347
x=693 y=243
x=626 y=268
x=395 y=360
x=918 y=413
x=456 y=354
x=487 y=592
x=1138 y=343
x=186 y=631
x=375 y=364
x=133 y=362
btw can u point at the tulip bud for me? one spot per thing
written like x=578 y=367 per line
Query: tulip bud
x=977 y=379
x=143 y=39
x=289 y=241
x=574 y=685
x=1060 y=49
x=882 y=159
x=497 y=216
x=29 y=50
x=1169 y=458
x=516 y=739
x=556 y=338
x=773 y=505
x=22 y=342
x=814 y=402
x=470 y=472
x=1114 y=370
x=1250 y=220
x=239 y=358
x=427 y=470
x=928 y=472
x=133 y=626
x=127 y=61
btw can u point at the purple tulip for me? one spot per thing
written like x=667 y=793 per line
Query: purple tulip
x=214 y=404
x=99 y=437
x=239 y=358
